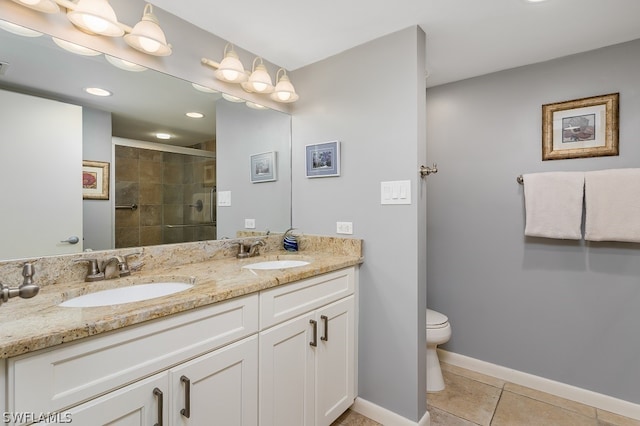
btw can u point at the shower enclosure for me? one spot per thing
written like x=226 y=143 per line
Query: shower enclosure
x=165 y=194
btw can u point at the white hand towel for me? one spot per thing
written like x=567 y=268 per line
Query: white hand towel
x=553 y=203
x=612 y=200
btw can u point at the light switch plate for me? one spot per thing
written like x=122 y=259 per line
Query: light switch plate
x=344 y=228
x=250 y=224
x=395 y=192
x=224 y=198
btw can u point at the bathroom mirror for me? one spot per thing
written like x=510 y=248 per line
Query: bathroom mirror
x=144 y=103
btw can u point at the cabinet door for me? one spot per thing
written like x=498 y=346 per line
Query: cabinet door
x=138 y=404
x=335 y=360
x=222 y=387
x=287 y=373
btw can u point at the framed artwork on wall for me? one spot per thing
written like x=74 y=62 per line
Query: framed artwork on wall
x=323 y=159
x=263 y=167
x=95 y=180
x=580 y=128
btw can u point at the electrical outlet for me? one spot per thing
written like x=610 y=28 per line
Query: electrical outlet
x=344 y=228
x=250 y=224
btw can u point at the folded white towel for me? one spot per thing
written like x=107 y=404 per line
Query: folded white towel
x=612 y=200
x=553 y=203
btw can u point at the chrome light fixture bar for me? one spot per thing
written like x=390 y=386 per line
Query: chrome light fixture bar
x=98 y=17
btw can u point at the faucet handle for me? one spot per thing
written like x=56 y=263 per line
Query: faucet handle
x=93 y=271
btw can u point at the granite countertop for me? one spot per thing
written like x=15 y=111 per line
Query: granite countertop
x=38 y=323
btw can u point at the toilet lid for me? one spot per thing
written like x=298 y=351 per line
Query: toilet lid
x=435 y=318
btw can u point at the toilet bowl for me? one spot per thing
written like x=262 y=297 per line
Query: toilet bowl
x=438 y=332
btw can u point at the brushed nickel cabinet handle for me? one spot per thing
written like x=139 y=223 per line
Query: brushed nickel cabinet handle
x=314 y=342
x=186 y=411
x=157 y=392
x=324 y=318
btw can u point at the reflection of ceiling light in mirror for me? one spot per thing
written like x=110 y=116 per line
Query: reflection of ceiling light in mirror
x=147 y=36
x=46 y=6
x=194 y=115
x=255 y=105
x=97 y=91
x=163 y=136
x=18 y=29
x=96 y=16
x=75 y=48
x=124 y=65
x=232 y=98
x=203 y=88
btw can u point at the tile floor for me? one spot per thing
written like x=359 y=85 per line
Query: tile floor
x=472 y=399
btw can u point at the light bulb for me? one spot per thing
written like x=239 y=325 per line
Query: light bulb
x=95 y=23
x=230 y=75
x=149 y=45
x=284 y=96
x=259 y=87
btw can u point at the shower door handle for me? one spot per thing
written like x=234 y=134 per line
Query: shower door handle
x=71 y=240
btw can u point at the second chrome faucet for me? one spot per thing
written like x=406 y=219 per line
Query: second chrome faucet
x=249 y=250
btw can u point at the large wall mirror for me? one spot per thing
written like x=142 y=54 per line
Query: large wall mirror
x=159 y=191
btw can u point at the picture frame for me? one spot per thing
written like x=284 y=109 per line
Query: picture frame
x=95 y=180
x=581 y=128
x=263 y=167
x=323 y=159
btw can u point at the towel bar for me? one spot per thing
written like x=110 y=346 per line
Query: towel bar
x=131 y=207
x=520 y=180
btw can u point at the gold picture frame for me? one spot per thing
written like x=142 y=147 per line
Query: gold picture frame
x=581 y=128
x=95 y=180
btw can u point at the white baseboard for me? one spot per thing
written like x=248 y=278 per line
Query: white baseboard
x=384 y=416
x=593 y=399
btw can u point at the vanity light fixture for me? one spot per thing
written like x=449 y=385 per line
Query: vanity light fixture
x=75 y=48
x=124 y=65
x=259 y=80
x=98 y=17
x=284 y=90
x=147 y=36
x=195 y=114
x=46 y=6
x=97 y=91
x=230 y=70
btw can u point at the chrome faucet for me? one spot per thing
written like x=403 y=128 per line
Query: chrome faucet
x=98 y=272
x=249 y=250
x=121 y=264
x=27 y=289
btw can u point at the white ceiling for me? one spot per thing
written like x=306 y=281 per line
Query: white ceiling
x=465 y=38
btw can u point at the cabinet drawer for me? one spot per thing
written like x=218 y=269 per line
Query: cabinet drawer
x=59 y=378
x=290 y=300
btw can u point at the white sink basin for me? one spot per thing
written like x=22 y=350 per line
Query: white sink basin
x=276 y=264
x=118 y=296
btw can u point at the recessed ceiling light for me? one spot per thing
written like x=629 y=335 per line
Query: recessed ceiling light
x=255 y=105
x=18 y=29
x=535 y=1
x=194 y=114
x=75 y=48
x=124 y=65
x=164 y=136
x=232 y=98
x=97 y=91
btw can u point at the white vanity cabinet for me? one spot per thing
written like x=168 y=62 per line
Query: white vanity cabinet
x=307 y=340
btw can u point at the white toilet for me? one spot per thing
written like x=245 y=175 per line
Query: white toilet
x=438 y=332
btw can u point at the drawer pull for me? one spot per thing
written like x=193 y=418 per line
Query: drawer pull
x=186 y=411
x=325 y=338
x=157 y=392
x=314 y=342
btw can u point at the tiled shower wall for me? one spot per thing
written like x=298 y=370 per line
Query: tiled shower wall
x=165 y=186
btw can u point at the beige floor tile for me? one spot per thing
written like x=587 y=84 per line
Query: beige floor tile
x=519 y=410
x=351 y=418
x=610 y=419
x=442 y=418
x=493 y=381
x=466 y=398
x=585 y=410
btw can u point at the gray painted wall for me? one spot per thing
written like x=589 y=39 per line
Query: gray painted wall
x=97 y=215
x=240 y=133
x=567 y=311
x=378 y=115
